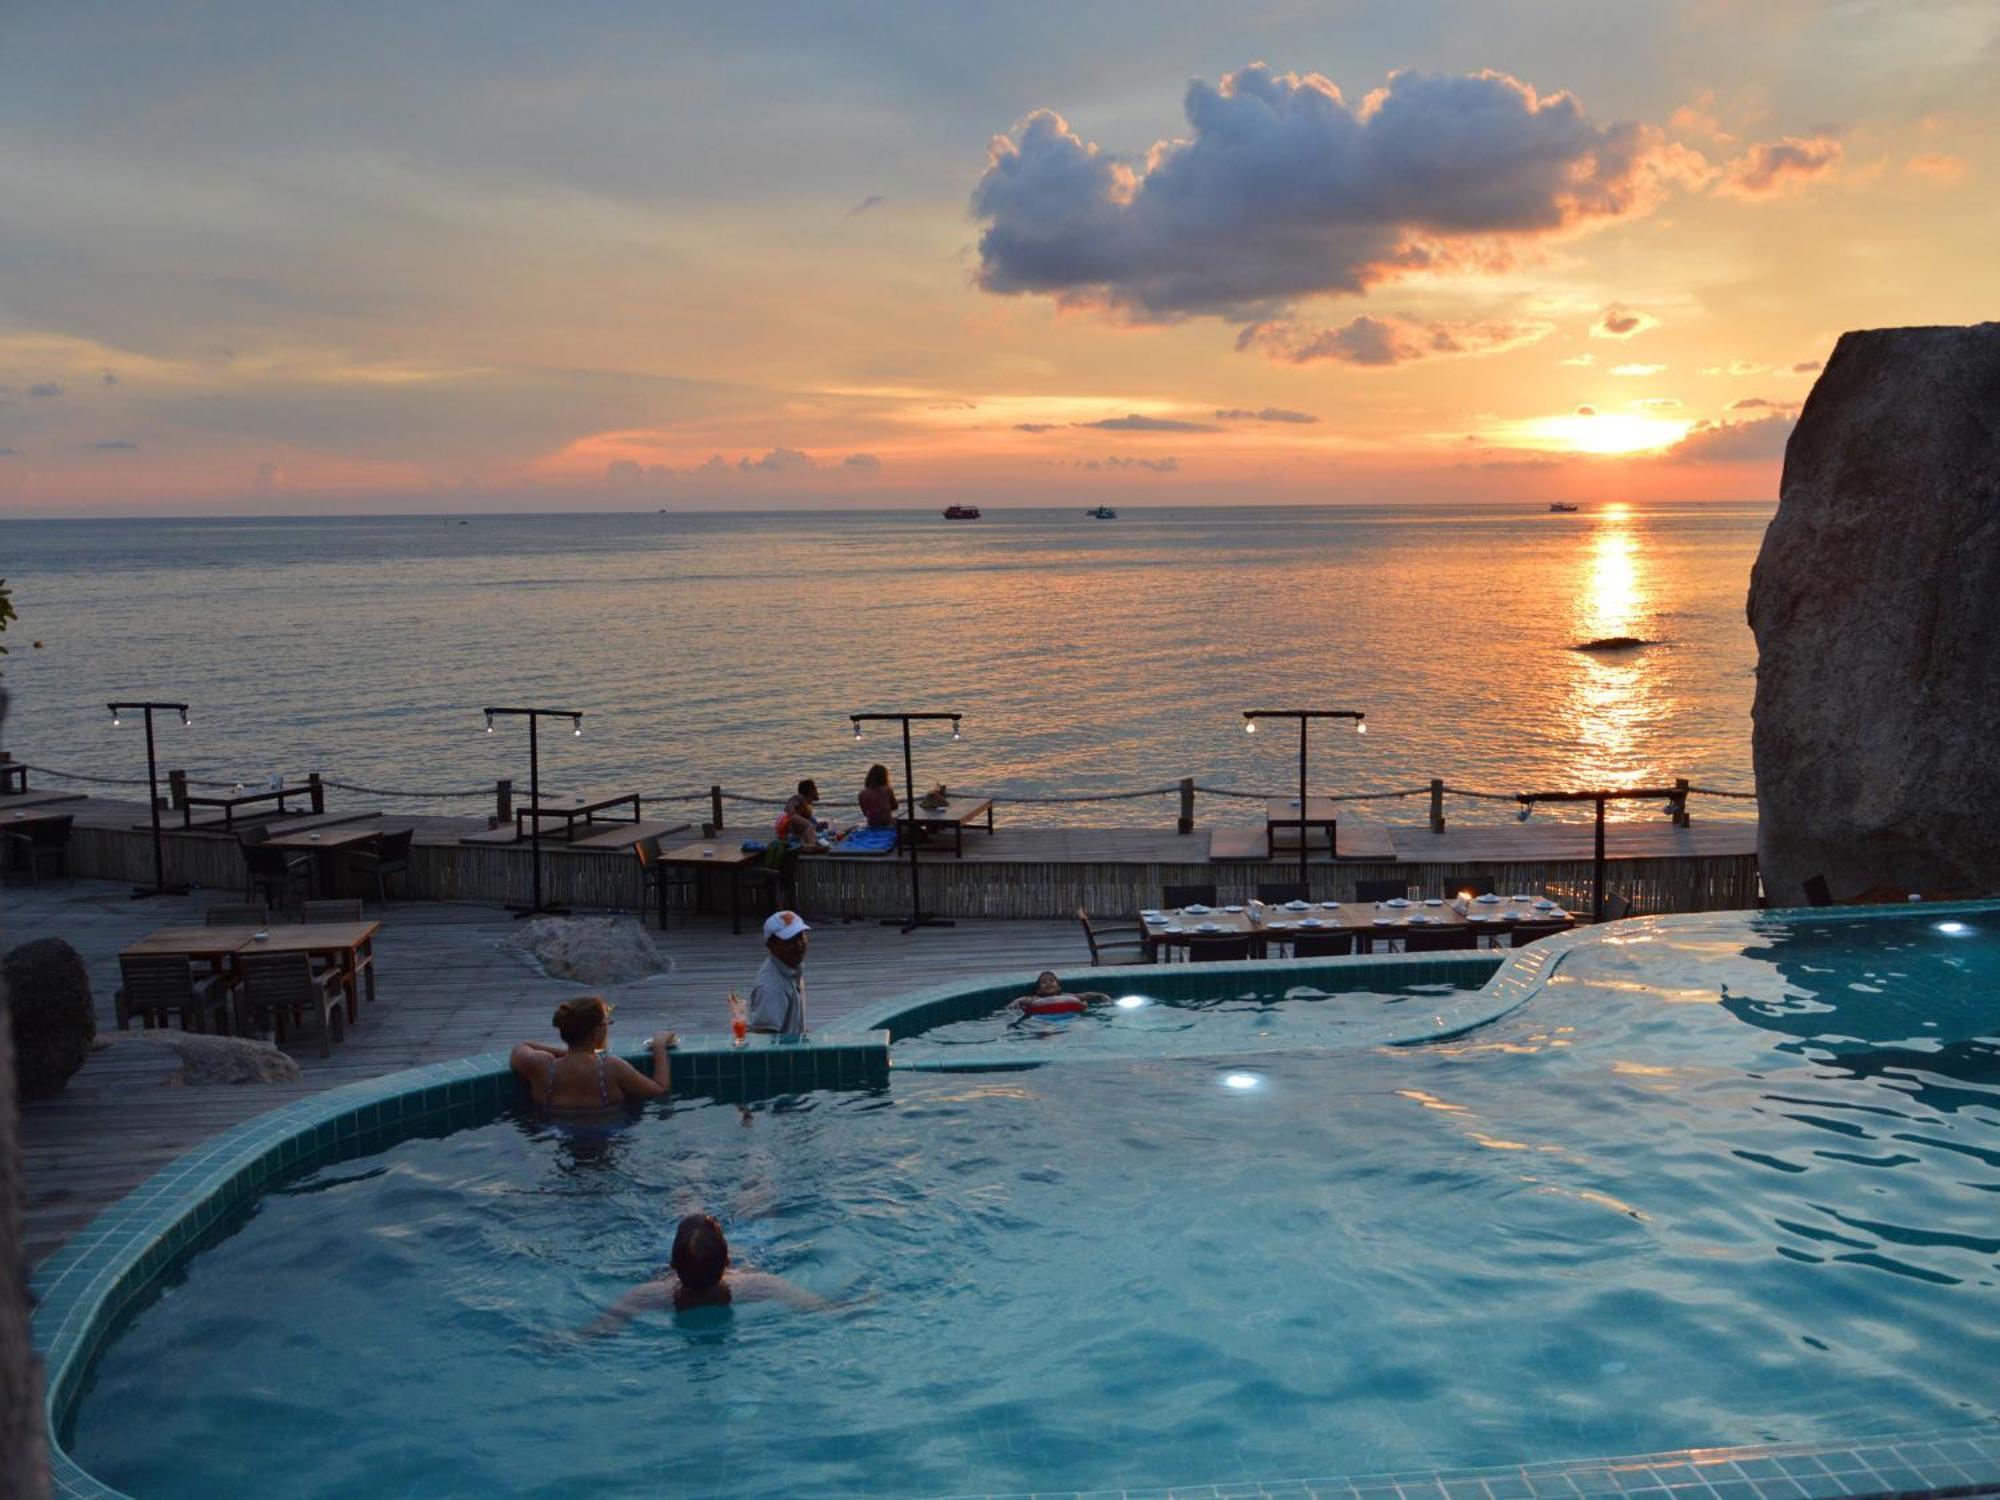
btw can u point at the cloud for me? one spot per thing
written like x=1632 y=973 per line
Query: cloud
x=1502 y=464
x=1732 y=442
x=45 y=388
x=873 y=200
x=775 y=466
x=1807 y=367
x=1935 y=167
x=1637 y=369
x=1267 y=414
x=1751 y=403
x=10 y=452
x=1586 y=411
x=116 y=445
x=1658 y=403
x=1771 y=169
x=1579 y=359
x=1736 y=367
x=1153 y=465
x=862 y=463
x=1036 y=426
x=1620 y=322
x=1137 y=423
x=109 y=378
x=1387 y=340
x=1282 y=190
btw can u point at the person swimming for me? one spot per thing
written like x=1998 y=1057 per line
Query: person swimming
x=1050 y=999
x=582 y=1081
x=700 y=1274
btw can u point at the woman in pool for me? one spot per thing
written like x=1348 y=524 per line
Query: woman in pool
x=1049 y=998
x=699 y=1275
x=581 y=1080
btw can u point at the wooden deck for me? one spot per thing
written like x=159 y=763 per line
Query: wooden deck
x=448 y=989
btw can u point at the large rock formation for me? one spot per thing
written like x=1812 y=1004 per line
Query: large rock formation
x=208 y=1059
x=590 y=950
x=1876 y=606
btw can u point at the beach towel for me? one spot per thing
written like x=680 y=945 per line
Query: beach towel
x=865 y=841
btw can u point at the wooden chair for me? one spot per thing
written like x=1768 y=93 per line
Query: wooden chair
x=1617 y=907
x=1440 y=939
x=1282 y=890
x=43 y=842
x=286 y=984
x=1322 y=944
x=1381 y=890
x=1110 y=945
x=158 y=987
x=656 y=879
x=1174 y=897
x=387 y=855
x=1477 y=885
x=273 y=872
x=1208 y=950
x=238 y=914
x=342 y=909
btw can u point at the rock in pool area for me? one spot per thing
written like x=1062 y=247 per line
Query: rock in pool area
x=590 y=950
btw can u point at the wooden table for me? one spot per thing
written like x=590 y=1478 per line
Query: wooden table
x=1357 y=917
x=573 y=809
x=229 y=805
x=350 y=945
x=1284 y=812
x=935 y=820
x=712 y=854
x=325 y=844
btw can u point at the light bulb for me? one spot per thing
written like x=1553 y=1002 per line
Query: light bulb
x=1360 y=726
x=857 y=731
x=114 y=721
x=954 y=731
x=186 y=722
x=577 y=731
x=489 y=723
x=1249 y=726
x=1526 y=812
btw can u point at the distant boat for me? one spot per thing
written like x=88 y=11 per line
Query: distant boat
x=1102 y=513
x=1560 y=509
x=961 y=512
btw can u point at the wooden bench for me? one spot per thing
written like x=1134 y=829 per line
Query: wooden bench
x=936 y=820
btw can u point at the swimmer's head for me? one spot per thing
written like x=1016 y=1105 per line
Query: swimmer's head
x=582 y=1018
x=701 y=1253
x=1046 y=983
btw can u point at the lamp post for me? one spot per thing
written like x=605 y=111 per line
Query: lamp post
x=1305 y=716
x=534 y=716
x=159 y=887
x=1608 y=794
x=918 y=918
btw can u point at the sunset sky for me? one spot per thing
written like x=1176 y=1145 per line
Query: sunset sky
x=396 y=256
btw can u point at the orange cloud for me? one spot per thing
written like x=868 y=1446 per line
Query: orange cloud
x=1771 y=169
x=1935 y=167
x=1388 y=340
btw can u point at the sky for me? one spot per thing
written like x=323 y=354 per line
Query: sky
x=280 y=258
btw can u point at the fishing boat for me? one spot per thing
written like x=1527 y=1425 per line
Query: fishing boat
x=1560 y=509
x=1102 y=513
x=961 y=512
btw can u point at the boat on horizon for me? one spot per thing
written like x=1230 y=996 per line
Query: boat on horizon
x=1102 y=513
x=1560 y=509
x=961 y=512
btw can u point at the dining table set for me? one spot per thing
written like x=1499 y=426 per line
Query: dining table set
x=1494 y=921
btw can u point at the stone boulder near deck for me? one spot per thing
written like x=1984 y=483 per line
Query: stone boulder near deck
x=1876 y=606
x=590 y=950
x=206 y=1059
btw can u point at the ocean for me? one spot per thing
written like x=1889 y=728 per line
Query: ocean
x=1086 y=656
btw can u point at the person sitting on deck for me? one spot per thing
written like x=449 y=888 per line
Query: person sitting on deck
x=797 y=823
x=581 y=1081
x=699 y=1275
x=1050 y=999
x=778 y=993
x=878 y=798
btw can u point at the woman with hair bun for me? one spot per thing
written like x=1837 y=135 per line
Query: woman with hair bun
x=581 y=1080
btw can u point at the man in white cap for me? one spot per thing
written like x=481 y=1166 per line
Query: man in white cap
x=778 y=994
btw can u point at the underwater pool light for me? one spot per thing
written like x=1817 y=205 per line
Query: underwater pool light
x=1241 y=1081
x=1952 y=929
x=1130 y=1002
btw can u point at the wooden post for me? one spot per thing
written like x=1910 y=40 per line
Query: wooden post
x=503 y=802
x=1681 y=802
x=316 y=789
x=715 y=806
x=177 y=789
x=1437 y=804
x=1186 y=823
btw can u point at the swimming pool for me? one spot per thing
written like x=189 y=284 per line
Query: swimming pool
x=1724 y=1180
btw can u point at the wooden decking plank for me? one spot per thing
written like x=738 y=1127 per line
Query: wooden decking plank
x=625 y=835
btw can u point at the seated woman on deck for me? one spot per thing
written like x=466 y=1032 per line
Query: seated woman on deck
x=582 y=1081
x=878 y=798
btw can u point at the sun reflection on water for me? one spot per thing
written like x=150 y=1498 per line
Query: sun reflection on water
x=1614 y=697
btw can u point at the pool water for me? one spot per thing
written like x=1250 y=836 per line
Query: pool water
x=1242 y=1015
x=1723 y=1182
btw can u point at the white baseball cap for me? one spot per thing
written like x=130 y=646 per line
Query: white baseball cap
x=784 y=924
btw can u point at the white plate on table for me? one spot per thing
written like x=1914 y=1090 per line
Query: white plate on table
x=1419 y=919
x=1280 y=926
x=1152 y=911
x=1488 y=899
x=1385 y=921
x=1232 y=908
x=1434 y=901
x=1478 y=916
x=1510 y=916
x=1297 y=905
x=1209 y=927
x=1545 y=905
x=1174 y=927
x=1396 y=901
x=1153 y=919
x=1195 y=910
x=1329 y=906
x=1311 y=922
x=1524 y=896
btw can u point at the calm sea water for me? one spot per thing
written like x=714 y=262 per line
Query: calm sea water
x=1087 y=656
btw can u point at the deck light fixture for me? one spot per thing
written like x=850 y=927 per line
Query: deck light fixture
x=537 y=907
x=1607 y=794
x=159 y=887
x=857 y=731
x=1304 y=716
x=918 y=916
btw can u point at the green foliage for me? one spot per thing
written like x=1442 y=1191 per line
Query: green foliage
x=48 y=991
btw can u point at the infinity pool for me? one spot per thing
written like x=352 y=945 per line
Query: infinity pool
x=1722 y=1181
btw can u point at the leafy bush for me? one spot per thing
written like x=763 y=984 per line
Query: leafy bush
x=48 y=991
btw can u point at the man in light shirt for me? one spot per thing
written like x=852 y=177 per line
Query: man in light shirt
x=778 y=994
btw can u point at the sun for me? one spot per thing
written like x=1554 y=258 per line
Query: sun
x=1604 y=433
